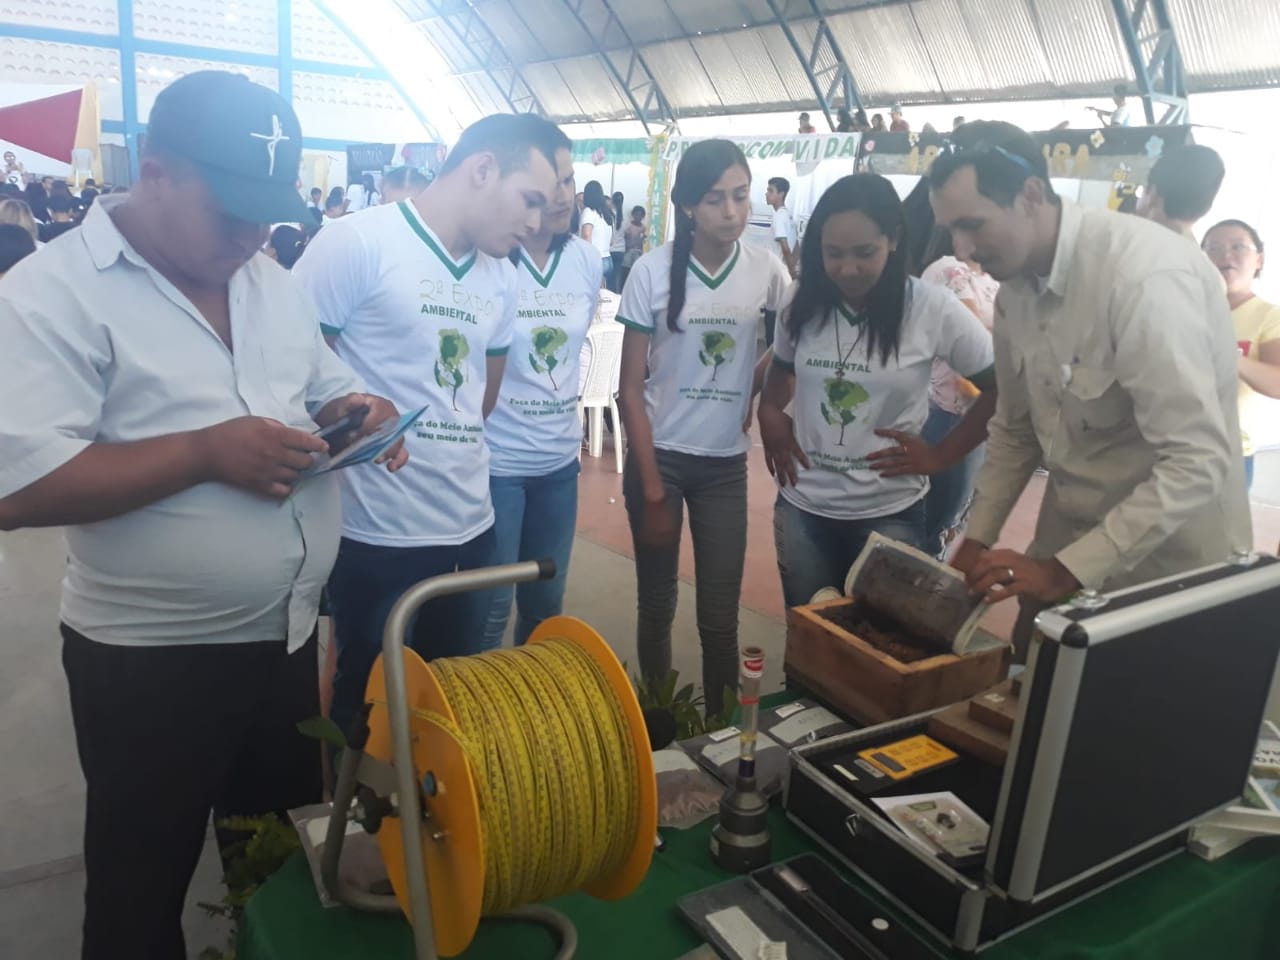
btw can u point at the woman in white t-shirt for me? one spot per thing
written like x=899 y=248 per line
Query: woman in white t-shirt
x=951 y=395
x=597 y=224
x=363 y=195
x=618 y=244
x=855 y=347
x=534 y=433
x=694 y=311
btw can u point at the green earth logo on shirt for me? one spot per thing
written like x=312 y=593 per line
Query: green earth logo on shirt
x=843 y=398
x=717 y=350
x=453 y=350
x=548 y=347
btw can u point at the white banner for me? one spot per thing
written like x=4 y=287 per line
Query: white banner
x=801 y=148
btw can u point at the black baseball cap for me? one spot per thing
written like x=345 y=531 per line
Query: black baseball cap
x=244 y=138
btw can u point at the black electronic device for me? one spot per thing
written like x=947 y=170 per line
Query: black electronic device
x=342 y=431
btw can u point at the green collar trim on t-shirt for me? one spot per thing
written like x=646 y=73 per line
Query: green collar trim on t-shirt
x=855 y=317
x=459 y=270
x=542 y=278
x=712 y=282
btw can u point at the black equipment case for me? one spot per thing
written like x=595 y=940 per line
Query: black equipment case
x=1136 y=719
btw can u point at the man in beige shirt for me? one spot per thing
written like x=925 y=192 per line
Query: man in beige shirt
x=1116 y=371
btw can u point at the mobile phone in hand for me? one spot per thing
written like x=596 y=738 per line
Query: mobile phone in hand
x=344 y=430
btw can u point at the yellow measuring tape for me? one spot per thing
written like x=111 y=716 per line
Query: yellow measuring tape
x=543 y=774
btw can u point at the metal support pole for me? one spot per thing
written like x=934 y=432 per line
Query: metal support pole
x=336 y=834
x=842 y=80
x=407 y=799
x=489 y=54
x=1152 y=47
x=638 y=81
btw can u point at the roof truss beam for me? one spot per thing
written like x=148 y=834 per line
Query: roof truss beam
x=464 y=22
x=636 y=81
x=828 y=82
x=1152 y=45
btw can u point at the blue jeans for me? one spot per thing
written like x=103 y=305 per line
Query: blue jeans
x=534 y=517
x=615 y=279
x=367 y=581
x=950 y=492
x=1248 y=472
x=607 y=264
x=816 y=552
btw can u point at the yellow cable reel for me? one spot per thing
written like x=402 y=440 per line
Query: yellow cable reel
x=537 y=777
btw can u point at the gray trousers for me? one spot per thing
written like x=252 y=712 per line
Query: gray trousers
x=715 y=491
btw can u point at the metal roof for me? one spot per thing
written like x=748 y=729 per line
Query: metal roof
x=731 y=56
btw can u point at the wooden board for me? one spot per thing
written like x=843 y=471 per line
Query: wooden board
x=954 y=727
x=996 y=708
x=870 y=686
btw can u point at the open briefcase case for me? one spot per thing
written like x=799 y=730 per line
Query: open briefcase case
x=1135 y=720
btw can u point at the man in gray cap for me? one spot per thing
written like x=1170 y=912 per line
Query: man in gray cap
x=161 y=387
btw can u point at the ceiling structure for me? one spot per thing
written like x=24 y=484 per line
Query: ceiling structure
x=659 y=60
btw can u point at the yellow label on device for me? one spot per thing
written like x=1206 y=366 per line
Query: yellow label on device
x=909 y=757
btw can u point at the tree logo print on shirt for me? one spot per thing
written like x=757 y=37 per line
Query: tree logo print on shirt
x=548 y=347
x=453 y=350
x=717 y=350
x=843 y=398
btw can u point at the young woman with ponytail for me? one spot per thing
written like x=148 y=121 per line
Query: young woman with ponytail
x=597 y=222
x=855 y=348
x=694 y=311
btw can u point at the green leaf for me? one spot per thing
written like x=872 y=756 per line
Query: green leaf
x=457 y=378
x=706 y=361
x=826 y=413
x=846 y=417
x=552 y=362
x=844 y=394
x=547 y=340
x=717 y=343
x=645 y=694
x=730 y=706
x=688 y=721
x=318 y=728
x=533 y=362
x=669 y=687
x=685 y=694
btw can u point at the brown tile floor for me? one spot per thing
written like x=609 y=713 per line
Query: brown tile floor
x=602 y=519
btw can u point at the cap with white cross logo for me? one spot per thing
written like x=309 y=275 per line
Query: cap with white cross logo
x=244 y=138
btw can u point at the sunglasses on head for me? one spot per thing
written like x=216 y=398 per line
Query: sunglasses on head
x=980 y=150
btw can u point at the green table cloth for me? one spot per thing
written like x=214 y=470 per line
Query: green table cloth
x=1182 y=909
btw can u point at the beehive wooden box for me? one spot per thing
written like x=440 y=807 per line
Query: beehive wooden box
x=873 y=687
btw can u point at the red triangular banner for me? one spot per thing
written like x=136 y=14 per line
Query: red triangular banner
x=47 y=125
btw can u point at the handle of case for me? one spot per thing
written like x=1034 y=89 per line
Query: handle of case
x=852 y=823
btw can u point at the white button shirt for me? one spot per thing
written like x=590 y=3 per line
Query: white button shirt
x=1120 y=376
x=100 y=348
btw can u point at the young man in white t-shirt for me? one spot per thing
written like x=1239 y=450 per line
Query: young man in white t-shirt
x=419 y=298
x=784 y=227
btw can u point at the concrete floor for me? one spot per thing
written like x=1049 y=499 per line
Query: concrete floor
x=42 y=794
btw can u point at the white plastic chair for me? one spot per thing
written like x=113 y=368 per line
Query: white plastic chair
x=602 y=366
x=606 y=307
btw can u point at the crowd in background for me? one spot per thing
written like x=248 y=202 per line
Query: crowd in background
x=43 y=207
